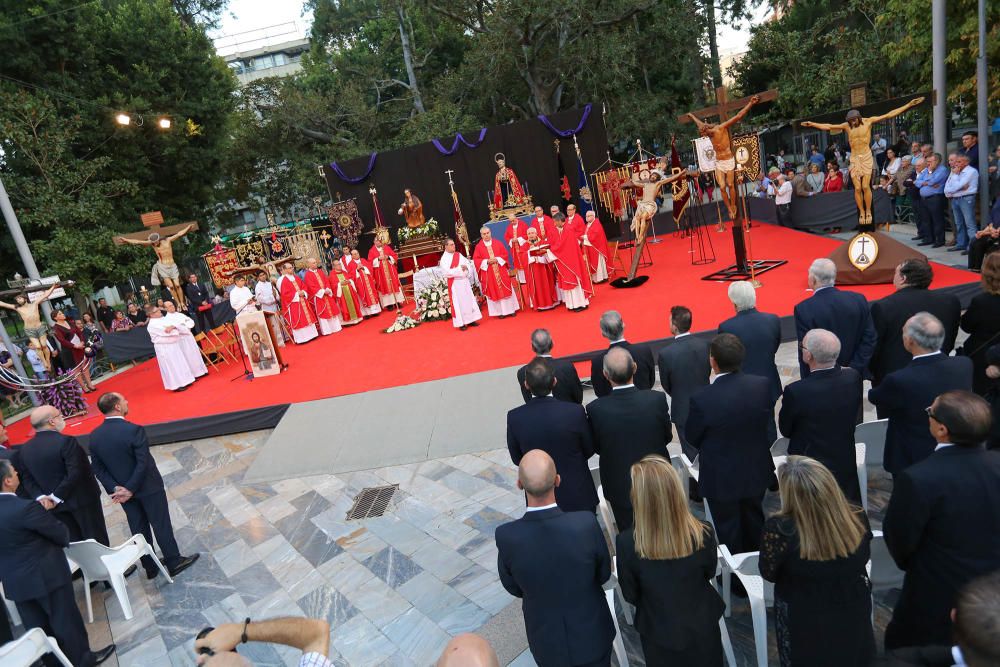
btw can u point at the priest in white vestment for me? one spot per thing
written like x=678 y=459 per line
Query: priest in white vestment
x=174 y=367
x=188 y=345
x=266 y=296
x=456 y=268
x=241 y=299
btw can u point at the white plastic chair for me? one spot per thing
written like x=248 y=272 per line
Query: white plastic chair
x=101 y=563
x=29 y=648
x=873 y=435
x=885 y=574
x=594 y=464
x=860 y=452
x=760 y=594
x=780 y=447
x=609 y=520
x=619 y=643
x=691 y=468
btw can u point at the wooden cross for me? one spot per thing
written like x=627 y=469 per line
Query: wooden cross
x=724 y=105
x=153 y=222
x=326 y=237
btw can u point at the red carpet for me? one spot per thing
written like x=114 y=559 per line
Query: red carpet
x=362 y=358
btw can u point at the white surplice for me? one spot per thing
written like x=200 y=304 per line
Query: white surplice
x=464 y=308
x=174 y=367
x=187 y=343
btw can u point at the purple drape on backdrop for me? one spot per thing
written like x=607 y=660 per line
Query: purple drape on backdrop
x=344 y=177
x=565 y=134
x=458 y=138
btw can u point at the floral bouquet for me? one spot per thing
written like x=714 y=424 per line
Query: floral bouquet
x=402 y=323
x=429 y=229
x=433 y=302
x=65 y=395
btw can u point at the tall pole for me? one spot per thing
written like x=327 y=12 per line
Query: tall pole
x=938 y=52
x=21 y=243
x=981 y=119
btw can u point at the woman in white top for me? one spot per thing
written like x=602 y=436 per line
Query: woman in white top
x=892 y=164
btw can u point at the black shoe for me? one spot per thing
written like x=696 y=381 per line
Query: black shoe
x=473 y=324
x=965 y=252
x=152 y=574
x=184 y=563
x=463 y=328
x=955 y=248
x=937 y=245
x=130 y=571
x=917 y=238
x=924 y=243
x=103 y=654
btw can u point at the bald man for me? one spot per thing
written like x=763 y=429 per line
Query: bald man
x=56 y=471
x=468 y=650
x=819 y=412
x=557 y=562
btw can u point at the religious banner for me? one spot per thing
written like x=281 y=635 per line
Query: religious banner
x=746 y=151
x=705 y=153
x=346 y=221
x=609 y=189
x=258 y=343
x=221 y=265
x=681 y=189
x=303 y=246
x=276 y=244
x=248 y=250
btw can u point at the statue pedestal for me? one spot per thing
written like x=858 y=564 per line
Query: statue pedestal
x=890 y=253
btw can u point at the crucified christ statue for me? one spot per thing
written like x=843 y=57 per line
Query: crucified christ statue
x=725 y=162
x=165 y=271
x=859 y=135
x=649 y=182
x=34 y=328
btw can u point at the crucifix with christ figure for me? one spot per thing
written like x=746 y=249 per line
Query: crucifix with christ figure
x=160 y=239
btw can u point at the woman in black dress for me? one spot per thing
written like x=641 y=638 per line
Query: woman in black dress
x=815 y=551
x=665 y=563
x=982 y=322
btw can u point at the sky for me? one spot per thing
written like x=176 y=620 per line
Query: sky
x=253 y=15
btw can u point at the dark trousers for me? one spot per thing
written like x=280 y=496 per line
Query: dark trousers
x=784 y=215
x=738 y=523
x=979 y=249
x=85 y=523
x=6 y=633
x=602 y=662
x=150 y=515
x=702 y=651
x=58 y=616
x=934 y=208
x=204 y=317
x=920 y=217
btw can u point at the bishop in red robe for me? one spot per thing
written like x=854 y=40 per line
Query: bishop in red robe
x=595 y=246
x=573 y=278
x=545 y=225
x=366 y=285
x=348 y=300
x=490 y=259
x=295 y=305
x=383 y=260
x=541 y=285
x=574 y=221
x=516 y=239
x=321 y=298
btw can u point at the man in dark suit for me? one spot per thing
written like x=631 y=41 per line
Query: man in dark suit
x=912 y=280
x=124 y=465
x=568 y=387
x=35 y=573
x=727 y=424
x=55 y=471
x=628 y=424
x=613 y=328
x=684 y=368
x=904 y=395
x=197 y=296
x=105 y=314
x=561 y=430
x=760 y=334
x=819 y=412
x=846 y=314
x=942 y=526
x=557 y=563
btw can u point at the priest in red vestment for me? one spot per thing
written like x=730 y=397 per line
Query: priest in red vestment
x=572 y=275
x=541 y=285
x=574 y=221
x=490 y=259
x=348 y=300
x=595 y=245
x=545 y=225
x=365 y=284
x=295 y=305
x=347 y=263
x=516 y=238
x=321 y=298
x=383 y=260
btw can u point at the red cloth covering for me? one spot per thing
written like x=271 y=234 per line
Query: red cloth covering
x=515 y=189
x=541 y=281
x=495 y=280
x=517 y=230
x=324 y=305
x=598 y=245
x=834 y=183
x=363 y=281
x=570 y=267
x=546 y=227
x=385 y=274
x=577 y=224
x=298 y=313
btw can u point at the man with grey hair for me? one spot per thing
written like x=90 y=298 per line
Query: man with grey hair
x=760 y=334
x=613 y=328
x=846 y=314
x=904 y=395
x=819 y=412
x=568 y=387
x=628 y=424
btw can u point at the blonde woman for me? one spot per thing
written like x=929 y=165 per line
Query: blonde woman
x=815 y=550
x=665 y=563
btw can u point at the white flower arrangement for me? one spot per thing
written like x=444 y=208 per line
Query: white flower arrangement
x=402 y=323
x=433 y=302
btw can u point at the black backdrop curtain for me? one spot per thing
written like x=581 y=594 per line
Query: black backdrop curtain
x=529 y=150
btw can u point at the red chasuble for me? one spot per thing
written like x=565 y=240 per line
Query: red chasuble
x=541 y=281
x=385 y=274
x=348 y=301
x=598 y=245
x=517 y=230
x=546 y=227
x=495 y=279
x=570 y=267
x=577 y=224
x=325 y=306
x=366 y=286
x=295 y=308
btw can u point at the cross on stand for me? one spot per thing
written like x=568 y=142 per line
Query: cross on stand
x=723 y=105
x=153 y=222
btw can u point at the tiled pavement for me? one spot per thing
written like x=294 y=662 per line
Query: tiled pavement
x=394 y=589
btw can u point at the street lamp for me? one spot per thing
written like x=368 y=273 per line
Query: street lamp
x=123 y=119
x=164 y=123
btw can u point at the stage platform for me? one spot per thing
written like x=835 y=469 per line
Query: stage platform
x=362 y=358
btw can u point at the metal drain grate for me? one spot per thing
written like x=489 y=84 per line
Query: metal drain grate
x=371 y=502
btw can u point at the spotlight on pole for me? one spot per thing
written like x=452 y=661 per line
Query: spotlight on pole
x=164 y=123
x=123 y=119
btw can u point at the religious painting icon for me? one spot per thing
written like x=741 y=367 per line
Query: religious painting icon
x=862 y=250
